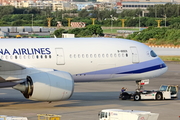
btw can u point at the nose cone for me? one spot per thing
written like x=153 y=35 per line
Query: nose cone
x=163 y=67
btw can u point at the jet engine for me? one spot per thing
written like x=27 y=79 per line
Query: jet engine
x=47 y=86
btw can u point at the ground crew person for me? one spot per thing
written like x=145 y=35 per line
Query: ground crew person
x=123 y=89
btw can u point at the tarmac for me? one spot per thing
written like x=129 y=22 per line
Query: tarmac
x=91 y=97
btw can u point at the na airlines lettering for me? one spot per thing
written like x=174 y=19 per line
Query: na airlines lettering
x=26 y=51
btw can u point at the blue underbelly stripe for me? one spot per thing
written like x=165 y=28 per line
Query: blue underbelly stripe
x=145 y=69
x=141 y=67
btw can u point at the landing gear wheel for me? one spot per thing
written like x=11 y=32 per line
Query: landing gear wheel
x=158 y=96
x=137 y=97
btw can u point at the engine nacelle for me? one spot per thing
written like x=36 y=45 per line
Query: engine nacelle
x=47 y=86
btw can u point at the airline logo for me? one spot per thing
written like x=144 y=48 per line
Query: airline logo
x=26 y=51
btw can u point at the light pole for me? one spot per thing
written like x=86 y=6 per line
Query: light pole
x=139 y=23
x=165 y=19
x=178 y=10
x=111 y=22
x=32 y=22
x=155 y=12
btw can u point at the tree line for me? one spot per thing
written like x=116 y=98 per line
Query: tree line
x=88 y=31
x=158 y=36
x=168 y=13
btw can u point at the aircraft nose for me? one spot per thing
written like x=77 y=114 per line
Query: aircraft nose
x=163 y=67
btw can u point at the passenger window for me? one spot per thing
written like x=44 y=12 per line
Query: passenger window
x=79 y=55
x=126 y=55
x=82 y=55
x=15 y=57
x=41 y=57
x=103 y=55
x=102 y=115
x=87 y=55
x=119 y=55
x=20 y=57
x=46 y=56
x=37 y=56
x=105 y=115
x=122 y=54
x=49 y=56
x=115 y=55
x=6 y=57
x=95 y=55
x=32 y=56
x=11 y=57
x=91 y=55
x=70 y=56
x=74 y=55
x=107 y=55
x=111 y=55
x=99 y=55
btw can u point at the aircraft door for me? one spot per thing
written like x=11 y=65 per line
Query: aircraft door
x=135 y=57
x=60 y=56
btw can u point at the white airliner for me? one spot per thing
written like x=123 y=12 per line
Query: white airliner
x=44 y=69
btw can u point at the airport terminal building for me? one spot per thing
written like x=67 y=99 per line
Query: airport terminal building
x=143 y=4
x=140 y=5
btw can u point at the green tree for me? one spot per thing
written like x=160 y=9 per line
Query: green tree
x=75 y=31
x=58 y=33
x=6 y=10
x=130 y=13
x=83 y=13
x=176 y=25
x=171 y=10
x=17 y=23
x=95 y=29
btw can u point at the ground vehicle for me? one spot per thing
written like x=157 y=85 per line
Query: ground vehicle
x=119 y=114
x=18 y=36
x=164 y=92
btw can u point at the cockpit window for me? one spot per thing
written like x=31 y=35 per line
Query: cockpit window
x=153 y=54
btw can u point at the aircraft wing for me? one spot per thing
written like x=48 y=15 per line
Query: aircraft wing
x=9 y=72
x=13 y=73
x=9 y=66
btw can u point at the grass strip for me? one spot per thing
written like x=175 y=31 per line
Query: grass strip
x=170 y=58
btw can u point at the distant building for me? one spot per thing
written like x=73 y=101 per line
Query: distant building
x=100 y=5
x=150 y=1
x=171 y=1
x=83 y=5
x=63 y=6
x=130 y=0
x=106 y=6
x=3 y=34
x=143 y=4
